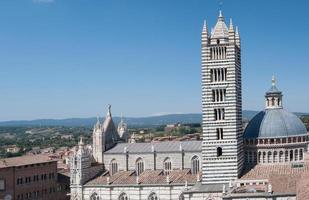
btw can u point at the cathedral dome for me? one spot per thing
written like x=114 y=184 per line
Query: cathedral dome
x=274 y=123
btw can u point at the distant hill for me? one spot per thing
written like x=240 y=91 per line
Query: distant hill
x=131 y=121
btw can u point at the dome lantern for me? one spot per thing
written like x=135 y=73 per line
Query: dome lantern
x=273 y=96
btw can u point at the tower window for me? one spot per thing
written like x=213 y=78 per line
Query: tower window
x=219 y=114
x=219 y=151
x=218 y=75
x=219 y=133
x=218 y=95
x=218 y=52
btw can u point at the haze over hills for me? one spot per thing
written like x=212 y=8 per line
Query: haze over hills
x=131 y=121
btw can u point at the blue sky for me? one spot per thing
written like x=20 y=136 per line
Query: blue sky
x=70 y=58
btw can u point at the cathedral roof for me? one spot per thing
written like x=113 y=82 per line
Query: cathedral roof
x=166 y=146
x=220 y=30
x=148 y=177
x=273 y=123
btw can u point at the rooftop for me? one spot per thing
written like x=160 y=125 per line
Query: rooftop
x=166 y=146
x=283 y=178
x=25 y=160
x=148 y=177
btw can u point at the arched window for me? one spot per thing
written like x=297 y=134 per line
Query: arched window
x=273 y=101
x=291 y=155
x=286 y=156
x=167 y=166
x=195 y=165
x=152 y=196
x=139 y=166
x=94 y=196
x=281 y=156
x=219 y=151
x=301 y=154
x=275 y=157
x=181 y=197
x=123 y=196
x=296 y=155
x=250 y=157
x=113 y=167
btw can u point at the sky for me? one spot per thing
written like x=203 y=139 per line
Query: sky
x=71 y=58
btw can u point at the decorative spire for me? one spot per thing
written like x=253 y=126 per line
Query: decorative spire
x=220 y=18
x=237 y=37
x=205 y=34
x=236 y=32
x=109 y=112
x=81 y=143
x=231 y=27
x=205 y=30
x=98 y=122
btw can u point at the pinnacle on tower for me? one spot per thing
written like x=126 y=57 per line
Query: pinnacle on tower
x=237 y=37
x=231 y=27
x=236 y=32
x=205 y=34
x=205 y=27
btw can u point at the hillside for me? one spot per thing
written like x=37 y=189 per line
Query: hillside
x=131 y=121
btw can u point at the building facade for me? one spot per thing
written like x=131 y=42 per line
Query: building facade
x=29 y=177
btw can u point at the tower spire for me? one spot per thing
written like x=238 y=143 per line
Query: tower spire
x=220 y=13
x=221 y=17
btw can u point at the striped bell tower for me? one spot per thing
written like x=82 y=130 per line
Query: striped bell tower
x=221 y=103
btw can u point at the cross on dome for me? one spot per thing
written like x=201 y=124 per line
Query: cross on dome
x=273 y=80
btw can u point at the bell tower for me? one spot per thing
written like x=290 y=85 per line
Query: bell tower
x=221 y=103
